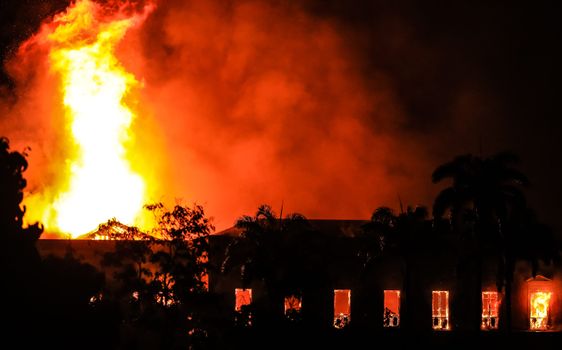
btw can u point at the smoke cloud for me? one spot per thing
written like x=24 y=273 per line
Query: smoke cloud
x=266 y=103
x=330 y=108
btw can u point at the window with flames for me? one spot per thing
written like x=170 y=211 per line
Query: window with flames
x=242 y=307
x=440 y=310
x=490 y=310
x=342 y=308
x=293 y=304
x=540 y=310
x=391 y=308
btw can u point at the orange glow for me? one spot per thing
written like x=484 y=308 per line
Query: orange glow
x=490 y=310
x=391 y=308
x=243 y=298
x=440 y=310
x=221 y=84
x=99 y=182
x=342 y=308
x=539 y=310
x=293 y=303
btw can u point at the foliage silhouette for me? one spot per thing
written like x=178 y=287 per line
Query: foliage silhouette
x=21 y=262
x=162 y=277
x=275 y=251
x=399 y=235
x=488 y=212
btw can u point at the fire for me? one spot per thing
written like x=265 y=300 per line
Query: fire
x=540 y=302
x=101 y=183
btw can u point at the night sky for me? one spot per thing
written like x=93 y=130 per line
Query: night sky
x=455 y=77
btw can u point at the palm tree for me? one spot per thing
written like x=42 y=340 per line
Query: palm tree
x=375 y=235
x=483 y=199
x=267 y=250
x=399 y=234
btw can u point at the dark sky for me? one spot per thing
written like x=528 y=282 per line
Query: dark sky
x=508 y=53
x=469 y=75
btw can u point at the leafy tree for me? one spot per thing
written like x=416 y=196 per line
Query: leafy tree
x=19 y=258
x=163 y=275
x=181 y=263
x=130 y=261
x=183 y=234
x=12 y=166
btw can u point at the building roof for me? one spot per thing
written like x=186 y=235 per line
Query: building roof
x=329 y=227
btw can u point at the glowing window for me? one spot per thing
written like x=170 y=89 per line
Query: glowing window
x=391 y=308
x=243 y=298
x=293 y=305
x=440 y=309
x=342 y=308
x=540 y=310
x=490 y=310
x=243 y=316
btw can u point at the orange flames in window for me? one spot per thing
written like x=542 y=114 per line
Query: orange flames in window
x=391 y=308
x=540 y=303
x=440 y=310
x=342 y=308
x=243 y=298
x=490 y=310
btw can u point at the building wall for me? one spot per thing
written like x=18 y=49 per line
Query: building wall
x=429 y=267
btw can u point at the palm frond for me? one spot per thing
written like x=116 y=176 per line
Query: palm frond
x=444 y=200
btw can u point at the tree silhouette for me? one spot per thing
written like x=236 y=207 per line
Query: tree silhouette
x=130 y=262
x=19 y=259
x=485 y=201
x=72 y=300
x=375 y=235
x=270 y=250
x=400 y=235
x=12 y=166
x=162 y=277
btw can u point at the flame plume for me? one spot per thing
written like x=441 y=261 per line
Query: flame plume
x=94 y=85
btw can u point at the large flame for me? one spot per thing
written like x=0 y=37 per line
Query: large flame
x=540 y=302
x=94 y=85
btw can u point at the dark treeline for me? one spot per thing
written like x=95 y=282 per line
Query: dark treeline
x=159 y=297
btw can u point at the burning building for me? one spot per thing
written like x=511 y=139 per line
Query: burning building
x=340 y=296
x=419 y=288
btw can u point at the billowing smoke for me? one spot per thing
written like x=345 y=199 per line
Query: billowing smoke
x=328 y=108
x=265 y=103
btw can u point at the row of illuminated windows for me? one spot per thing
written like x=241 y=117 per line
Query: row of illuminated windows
x=539 y=315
